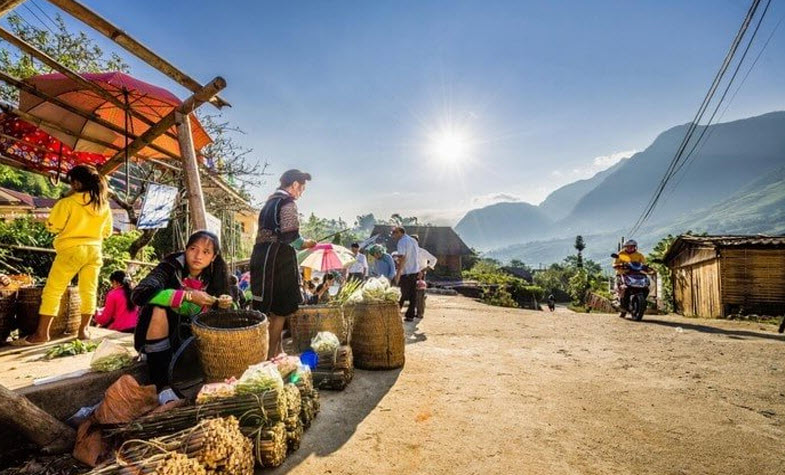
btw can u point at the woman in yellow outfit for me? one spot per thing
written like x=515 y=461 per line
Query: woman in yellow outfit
x=81 y=221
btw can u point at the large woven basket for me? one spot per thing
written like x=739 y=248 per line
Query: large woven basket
x=7 y=313
x=377 y=337
x=29 y=301
x=309 y=320
x=229 y=341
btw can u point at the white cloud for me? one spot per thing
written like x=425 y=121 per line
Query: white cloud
x=606 y=161
x=492 y=198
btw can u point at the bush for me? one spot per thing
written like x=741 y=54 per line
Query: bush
x=505 y=290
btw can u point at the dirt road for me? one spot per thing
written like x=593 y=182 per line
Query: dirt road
x=492 y=390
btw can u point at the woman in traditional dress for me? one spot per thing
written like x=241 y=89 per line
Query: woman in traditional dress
x=181 y=286
x=275 y=276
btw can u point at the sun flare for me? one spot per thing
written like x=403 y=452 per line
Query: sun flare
x=449 y=146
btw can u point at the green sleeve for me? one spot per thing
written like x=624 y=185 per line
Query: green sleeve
x=297 y=244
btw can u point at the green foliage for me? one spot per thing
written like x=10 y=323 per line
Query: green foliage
x=503 y=290
x=578 y=286
x=74 y=50
x=560 y=279
x=26 y=232
x=318 y=228
x=579 y=245
x=30 y=183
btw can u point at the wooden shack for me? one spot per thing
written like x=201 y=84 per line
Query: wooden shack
x=717 y=276
x=441 y=241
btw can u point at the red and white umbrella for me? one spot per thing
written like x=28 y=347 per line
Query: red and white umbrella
x=325 y=257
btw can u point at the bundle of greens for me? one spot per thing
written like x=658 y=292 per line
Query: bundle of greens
x=259 y=378
x=76 y=347
x=375 y=290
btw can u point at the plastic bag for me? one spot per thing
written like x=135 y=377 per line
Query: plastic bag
x=259 y=378
x=325 y=343
x=110 y=356
x=214 y=391
x=286 y=364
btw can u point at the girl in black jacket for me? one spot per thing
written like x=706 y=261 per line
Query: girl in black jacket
x=183 y=285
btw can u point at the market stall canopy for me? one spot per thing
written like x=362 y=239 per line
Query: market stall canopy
x=142 y=100
x=35 y=149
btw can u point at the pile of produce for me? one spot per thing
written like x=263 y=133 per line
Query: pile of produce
x=325 y=344
x=269 y=445
x=375 y=290
x=335 y=371
x=286 y=364
x=259 y=378
x=212 y=447
x=110 y=356
x=76 y=347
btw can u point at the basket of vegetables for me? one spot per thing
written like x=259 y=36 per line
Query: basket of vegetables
x=309 y=320
x=377 y=336
x=229 y=341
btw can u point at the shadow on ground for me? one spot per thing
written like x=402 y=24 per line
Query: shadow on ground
x=342 y=412
x=412 y=333
x=737 y=334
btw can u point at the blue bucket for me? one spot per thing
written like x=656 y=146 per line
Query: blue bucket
x=309 y=358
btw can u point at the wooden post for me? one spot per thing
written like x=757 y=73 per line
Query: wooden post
x=7 y=5
x=193 y=183
x=34 y=423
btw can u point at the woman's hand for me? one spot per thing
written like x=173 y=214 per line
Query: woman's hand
x=225 y=301
x=309 y=243
x=202 y=299
x=4 y=280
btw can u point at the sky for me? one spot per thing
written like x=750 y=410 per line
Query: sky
x=432 y=108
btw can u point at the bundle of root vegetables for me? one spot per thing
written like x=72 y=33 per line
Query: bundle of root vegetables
x=334 y=371
x=211 y=447
x=272 y=422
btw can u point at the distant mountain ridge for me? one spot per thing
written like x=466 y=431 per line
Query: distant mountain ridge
x=742 y=160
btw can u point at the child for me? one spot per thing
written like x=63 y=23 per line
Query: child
x=119 y=311
x=183 y=285
x=421 y=286
x=81 y=221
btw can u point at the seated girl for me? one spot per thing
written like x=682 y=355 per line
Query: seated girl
x=119 y=312
x=183 y=285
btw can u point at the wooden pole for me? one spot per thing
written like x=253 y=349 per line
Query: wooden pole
x=193 y=183
x=34 y=423
x=103 y=26
x=71 y=74
x=188 y=106
x=7 y=5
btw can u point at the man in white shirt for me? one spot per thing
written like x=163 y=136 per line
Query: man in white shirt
x=406 y=275
x=359 y=268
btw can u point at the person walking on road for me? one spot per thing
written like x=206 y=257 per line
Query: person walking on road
x=407 y=272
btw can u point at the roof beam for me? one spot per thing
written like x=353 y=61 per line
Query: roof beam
x=158 y=129
x=103 y=26
x=73 y=75
x=7 y=5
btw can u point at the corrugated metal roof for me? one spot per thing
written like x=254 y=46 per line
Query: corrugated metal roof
x=757 y=241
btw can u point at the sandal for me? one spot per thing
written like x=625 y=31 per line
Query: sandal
x=25 y=342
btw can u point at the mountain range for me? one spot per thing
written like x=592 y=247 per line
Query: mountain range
x=733 y=183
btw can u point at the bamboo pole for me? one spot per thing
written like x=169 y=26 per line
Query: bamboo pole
x=193 y=184
x=188 y=106
x=103 y=26
x=15 y=82
x=52 y=251
x=73 y=75
x=7 y=5
x=34 y=423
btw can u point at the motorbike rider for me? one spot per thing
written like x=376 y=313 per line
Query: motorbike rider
x=629 y=254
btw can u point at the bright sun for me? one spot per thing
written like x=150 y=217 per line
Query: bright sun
x=449 y=146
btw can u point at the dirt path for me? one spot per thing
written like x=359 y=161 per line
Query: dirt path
x=491 y=390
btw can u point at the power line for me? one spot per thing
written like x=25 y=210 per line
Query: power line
x=38 y=18
x=698 y=116
x=35 y=4
x=730 y=101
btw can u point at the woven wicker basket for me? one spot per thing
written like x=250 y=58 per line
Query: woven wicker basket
x=377 y=338
x=7 y=313
x=229 y=341
x=312 y=319
x=29 y=301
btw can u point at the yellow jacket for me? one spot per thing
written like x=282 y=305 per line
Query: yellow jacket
x=625 y=258
x=77 y=223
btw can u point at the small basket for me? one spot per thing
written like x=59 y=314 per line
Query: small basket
x=7 y=313
x=377 y=337
x=309 y=320
x=29 y=302
x=229 y=341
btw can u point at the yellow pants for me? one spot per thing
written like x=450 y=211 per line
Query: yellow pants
x=82 y=260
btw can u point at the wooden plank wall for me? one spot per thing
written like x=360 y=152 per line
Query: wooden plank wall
x=754 y=279
x=696 y=289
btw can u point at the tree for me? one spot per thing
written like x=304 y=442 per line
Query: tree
x=517 y=263
x=365 y=222
x=579 y=246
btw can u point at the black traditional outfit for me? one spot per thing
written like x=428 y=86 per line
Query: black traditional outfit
x=275 y=275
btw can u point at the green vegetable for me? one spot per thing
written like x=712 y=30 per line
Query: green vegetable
x=111 y=362
x=76 y=347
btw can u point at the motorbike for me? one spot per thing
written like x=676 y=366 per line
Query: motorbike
x=632 y=288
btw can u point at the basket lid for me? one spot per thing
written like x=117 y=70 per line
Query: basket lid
x=185 y=371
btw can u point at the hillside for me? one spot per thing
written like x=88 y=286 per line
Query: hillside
x=741 y=159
